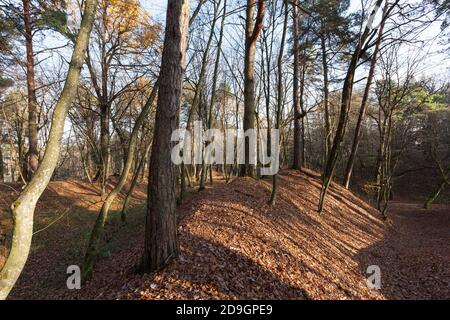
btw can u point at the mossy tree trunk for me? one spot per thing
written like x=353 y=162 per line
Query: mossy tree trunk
x=97 y=231
x=23 y=208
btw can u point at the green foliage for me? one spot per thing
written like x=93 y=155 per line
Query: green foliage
x=5 y=82
x=329 y=20
x=46 y=15
x=53 y=19
x=7 y=36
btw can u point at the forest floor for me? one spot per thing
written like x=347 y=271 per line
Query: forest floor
x=235 y=246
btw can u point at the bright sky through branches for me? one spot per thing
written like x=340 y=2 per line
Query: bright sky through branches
x=436 y=62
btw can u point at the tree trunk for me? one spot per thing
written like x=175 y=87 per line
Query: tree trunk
x=134 y=182
x=23 y=208
x=2 y=165
x=252 y=31
x=97 y=231
x=161 y=243
x=104 y=143
x=184 y=169
x=432 y=197
x=298 y=113
x=326 y=94
x=344 y=110
x=33 y=155
x=363 y=109
x=215 y=75
x=208 y=114
x=273 y=197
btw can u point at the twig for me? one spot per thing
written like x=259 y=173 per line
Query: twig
x=59 y=218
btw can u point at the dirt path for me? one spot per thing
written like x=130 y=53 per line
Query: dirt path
x=414 y=255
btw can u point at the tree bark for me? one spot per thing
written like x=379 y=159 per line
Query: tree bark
x=363 y=109
x=33 y=155
x=97 y=231
x=273 y=197
x=23 y=208
x=252 y=32
x=298 y=113
x=433 y=196
x=326 y=94
x=347 y=91
x=161 y=243
x=184 y=169
x=104 y=143
x=2 y=166
x=134 y=182
x=214 y=86
x=208 y=114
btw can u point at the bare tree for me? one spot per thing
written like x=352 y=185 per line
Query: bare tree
x=23 y=208
x=365 y=99
x=345 y=106
x=252 y=32
x=273 y=197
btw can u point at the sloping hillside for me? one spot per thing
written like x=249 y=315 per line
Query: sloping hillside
x=235 y=246
x=60 y=199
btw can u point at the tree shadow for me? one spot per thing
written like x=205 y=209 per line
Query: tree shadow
x=414 y=253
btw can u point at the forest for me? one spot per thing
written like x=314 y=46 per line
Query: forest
x=224 y=149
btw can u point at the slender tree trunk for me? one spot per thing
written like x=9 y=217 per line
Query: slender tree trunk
x=104 y=142
x=326 y=94
x=340 y=131
x=184 y=169
x=134 y=182
x=97 y=231
x=33 y=155
x=161 y=243
x=303 y=112
x=2 y=165
x=297 y=163
x=208 y=113
x=344 y=110
x=265 y=63
x=273 y=197
x=433 y=196
x=252 y=32
x=363 y=109
x=215 y=76
x=23 y=208
x=386 y=172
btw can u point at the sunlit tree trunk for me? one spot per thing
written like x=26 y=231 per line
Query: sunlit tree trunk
x=433 y=196
x=252 y=32
x=273 y=197
x=215 y=76
x=134 y=183
x=97 y=231
x=201 y=87
x=347 y=91
x=33 y=155
x=363 y=108
x=298 y=112
x=161 y=243
x=23 y=208
x=326 y=94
